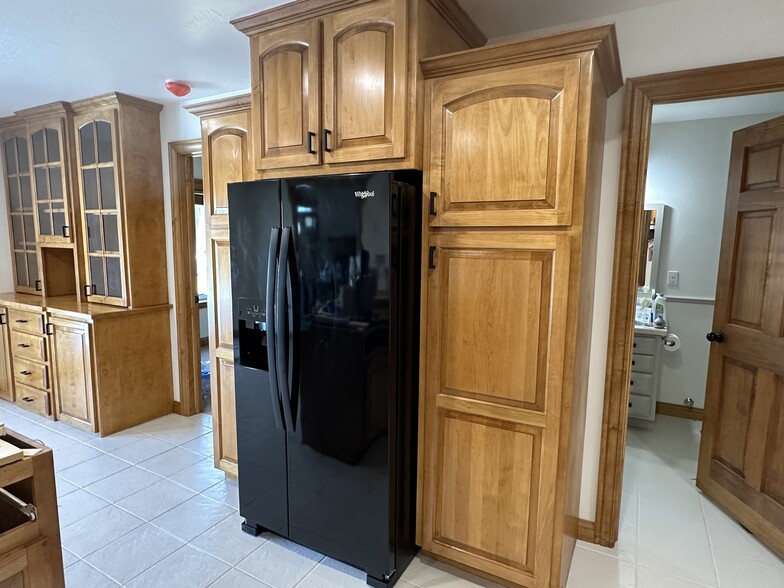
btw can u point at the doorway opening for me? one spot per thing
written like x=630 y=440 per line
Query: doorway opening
x=189 y=238
x=757 y=162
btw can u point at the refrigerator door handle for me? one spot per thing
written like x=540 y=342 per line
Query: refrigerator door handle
x=271 y=335
x=292 y=293
x=281 y=323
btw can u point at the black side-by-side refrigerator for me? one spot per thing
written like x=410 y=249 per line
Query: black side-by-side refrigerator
x=325 y=275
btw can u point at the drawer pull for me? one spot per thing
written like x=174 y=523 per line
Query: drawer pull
x=634 y=362
x=28 y=399
x=21 y=320
x=26 y=373
x=631 y=382
x=3 y=320
x=23 y=345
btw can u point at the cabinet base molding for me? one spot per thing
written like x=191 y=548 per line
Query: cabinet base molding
x=678 y=410
x=468 y=569
x=230 y=467
x=585 y=531
x=176 y=407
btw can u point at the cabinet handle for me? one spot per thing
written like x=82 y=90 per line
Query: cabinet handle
x=38 y=285
x=86 y=293
x=433 y=203
x=3 y=319
x=23 y=345
x=20 y=320
x=634 y=362
x=49 y=329
x=311 y=136
x=431 y=258
x=325 y=140
x=26 y=373
x=27 y=399
x=631 y=383
x=66 y=231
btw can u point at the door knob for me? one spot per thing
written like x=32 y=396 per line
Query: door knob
x=715 y=337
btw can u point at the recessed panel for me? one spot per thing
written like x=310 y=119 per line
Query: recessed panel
x=226 y=157
x=71 y=388
x=488 y=470
x=754 y=239
x=496 y=319
x=773 y=480
x=763 y=168
x=498 y=149
x=221 y=263
x=736 y=396
x=284 y=90
x=363 y=78
x=227 y=409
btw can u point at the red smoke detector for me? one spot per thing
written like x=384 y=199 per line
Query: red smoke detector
x=177 y=87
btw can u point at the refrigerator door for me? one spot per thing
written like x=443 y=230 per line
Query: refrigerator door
x=338 y=453
x=255 y=235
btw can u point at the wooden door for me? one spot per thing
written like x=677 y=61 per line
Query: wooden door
x=495 y=332
x=101 y=203
x=51 y=181
x=6 y=380
x=19 y=191
x=365 y=80
x=287 y=100
x=73 y=373
x=741 y=464
x=226 y=159
x=500 y=146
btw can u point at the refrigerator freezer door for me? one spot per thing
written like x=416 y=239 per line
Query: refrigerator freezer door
x=254 y=216
x=338 y=456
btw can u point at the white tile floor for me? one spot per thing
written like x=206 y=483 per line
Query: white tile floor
x=144 y=508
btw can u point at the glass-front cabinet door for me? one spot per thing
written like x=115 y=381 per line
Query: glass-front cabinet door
x=101 y=210
x=49 y=181
x=16 y=159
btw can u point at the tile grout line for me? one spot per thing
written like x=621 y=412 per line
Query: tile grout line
x=710 y=539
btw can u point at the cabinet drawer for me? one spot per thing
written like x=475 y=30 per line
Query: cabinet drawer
x=31 y=374
x=28 y=346
x=645 y=345
x=33 y=400
x=28 y=322
x=643 y=363
x=641 y=383
x=640 y=406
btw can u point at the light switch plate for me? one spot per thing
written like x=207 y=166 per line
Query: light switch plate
x=672 y=278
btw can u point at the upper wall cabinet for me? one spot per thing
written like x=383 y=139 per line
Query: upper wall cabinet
x=16 y=161
x=335 y=85
x=121 y=195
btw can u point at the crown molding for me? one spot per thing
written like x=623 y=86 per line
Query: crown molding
x=220 y=106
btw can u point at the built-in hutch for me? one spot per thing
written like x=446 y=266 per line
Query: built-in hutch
x=85 y=336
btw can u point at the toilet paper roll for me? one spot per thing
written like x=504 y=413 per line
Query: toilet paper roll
x=671 y=342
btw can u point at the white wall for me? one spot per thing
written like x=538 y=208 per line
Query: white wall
x=687 y=170
x=666 y=37
x=204 y=330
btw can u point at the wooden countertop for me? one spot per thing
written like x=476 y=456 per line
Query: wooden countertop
x=70 y=307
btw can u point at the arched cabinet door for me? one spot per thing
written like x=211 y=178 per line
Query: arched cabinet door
x=502 y=146
x=365 y=78
x=226 y=162
x=286 y=78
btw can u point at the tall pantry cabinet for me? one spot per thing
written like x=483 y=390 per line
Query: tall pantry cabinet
x=514 y=136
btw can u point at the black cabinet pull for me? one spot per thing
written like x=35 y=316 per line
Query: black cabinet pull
x=66 y=231
x=20 y=320
x=431 y=258
x=86 y=293
x=38 y=285
x=23 y=345
x=26 y=373
x=311 y=136
x=27 y=399
x=631 y=383
x=433 y=203
x=49 y=329
x=634 y=362
x=325 y=140
x=3 y=319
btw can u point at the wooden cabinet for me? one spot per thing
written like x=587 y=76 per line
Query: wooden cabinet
x=514 y=143
x=335 y=86
x=121 y=196
x=6 y=380
x=72 y=366
x=226 y=158
x=29 y=358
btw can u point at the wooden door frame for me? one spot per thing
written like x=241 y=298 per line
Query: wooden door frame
x=723 y=81
x=181 y=155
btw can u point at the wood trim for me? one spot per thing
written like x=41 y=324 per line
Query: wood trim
x=113 y=99
x=184 y=252
x=459 y=20
x=679 y=410
x=737 y=79
x=600 y=40
x=176 y=407
x=220 y=106
x=586 y=531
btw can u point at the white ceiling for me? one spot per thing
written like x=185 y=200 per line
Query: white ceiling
x=771 y=103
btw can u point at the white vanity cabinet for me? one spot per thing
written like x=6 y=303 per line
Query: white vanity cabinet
x=645 y=367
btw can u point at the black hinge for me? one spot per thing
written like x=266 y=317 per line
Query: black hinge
x=431 y=258
x=433 y=203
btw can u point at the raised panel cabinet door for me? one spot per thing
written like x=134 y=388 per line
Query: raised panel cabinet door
x=741 y=464
x=226 y=159
x=72 y=366
x=6 y=381
x=286 y=99
x=97 y=146
x=365 y=80
x=495 y=344
x=50 y=180
x=502 y=146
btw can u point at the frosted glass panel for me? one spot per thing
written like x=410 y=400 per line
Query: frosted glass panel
x=52 y=146
x=90 y=189
x=104 y=132
x=87 y=141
